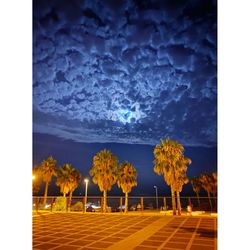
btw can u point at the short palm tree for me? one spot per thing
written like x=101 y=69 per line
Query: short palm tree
x=214 y=186
x=104 y=172
x=68 y=179
x=126 y=179
x=75 y=178
x=171 y=163
x=206 y=182
x=47 y=170
x=214 y=183
x=63 y=179
x=197 y=186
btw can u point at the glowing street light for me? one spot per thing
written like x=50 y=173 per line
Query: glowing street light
x=156 y=196
x=86 y=194
x=33 y=177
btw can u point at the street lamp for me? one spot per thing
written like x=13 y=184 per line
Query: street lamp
x=156 y=196
x=86 y=193
x=33 y=177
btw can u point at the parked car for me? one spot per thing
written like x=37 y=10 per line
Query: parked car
x=118 y=209
x=91 y=207
x=132 y=208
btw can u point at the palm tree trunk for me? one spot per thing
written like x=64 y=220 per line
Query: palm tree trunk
x=66 y=203
x=126 y=202
x=104 y=201
x=70 y=198
x=173 y=201
x=198 y=197
x=178 y=203
x=215 y=201
x=209 y=198
x=45 y=193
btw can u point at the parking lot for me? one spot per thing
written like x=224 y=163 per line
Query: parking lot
x=123 y=231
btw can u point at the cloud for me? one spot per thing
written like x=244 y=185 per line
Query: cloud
x=125 y=71
x=180 y=57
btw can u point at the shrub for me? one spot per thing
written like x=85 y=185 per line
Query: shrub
x=60 y=204
x=78 y=206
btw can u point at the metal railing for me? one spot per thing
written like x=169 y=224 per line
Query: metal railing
x=117 y=203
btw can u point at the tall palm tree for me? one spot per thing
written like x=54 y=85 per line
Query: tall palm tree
x=47 y=170
x=104 y=172
x=206 y=182
x=126 y=179
x=163 y=167
x=171 y=163
x=197 y=186
x=181 y=179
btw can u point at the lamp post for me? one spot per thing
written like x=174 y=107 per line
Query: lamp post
x=86 y=194
x=156 y=196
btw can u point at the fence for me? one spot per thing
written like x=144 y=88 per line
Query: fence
x=117 y=203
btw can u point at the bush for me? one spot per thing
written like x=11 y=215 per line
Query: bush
x=60 y=204
x=78 y=206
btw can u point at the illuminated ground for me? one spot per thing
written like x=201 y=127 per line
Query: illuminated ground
x=64 y=231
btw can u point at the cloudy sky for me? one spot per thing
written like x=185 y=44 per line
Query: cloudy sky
x=125 y=71
x=121 y=75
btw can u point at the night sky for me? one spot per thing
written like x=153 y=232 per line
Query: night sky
x=122 y=75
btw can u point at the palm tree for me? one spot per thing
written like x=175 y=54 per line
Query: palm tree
x=214 y=186
x=180 y=181
x=104 y=172
x=206 y=182
x=47 y=170
x=162 y=167
x=63 y=179
x=171 y=163
x=126 y=179
x=214 y=183
x=75 y=178
x=197 y=186
x=68 y=179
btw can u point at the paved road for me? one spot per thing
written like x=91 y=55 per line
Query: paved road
x=66 y=231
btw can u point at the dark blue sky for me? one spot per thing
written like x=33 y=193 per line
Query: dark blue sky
x=127 y=72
